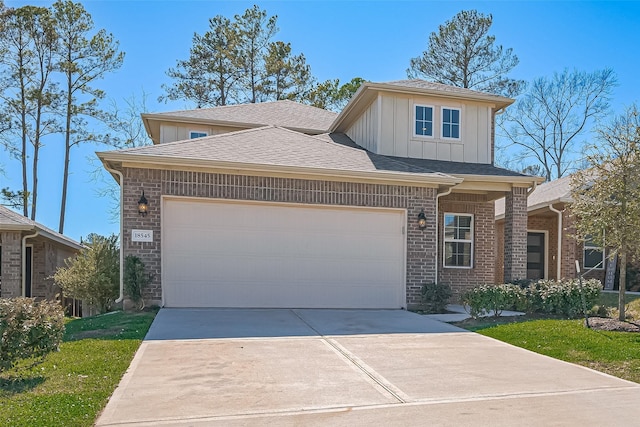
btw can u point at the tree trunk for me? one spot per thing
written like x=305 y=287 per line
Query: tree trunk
x=67 y=150
x=622 y=285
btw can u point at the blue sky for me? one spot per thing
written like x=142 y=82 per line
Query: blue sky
x=340 y=39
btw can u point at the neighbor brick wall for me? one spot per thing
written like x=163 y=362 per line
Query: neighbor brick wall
x=515 y=234
x=483 y=270
x=10 y=272
x=420 y=243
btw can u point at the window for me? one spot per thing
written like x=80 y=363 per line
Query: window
x=458 y=240
x=593 y=256
x=196 y=134
x=451 y=123
x=424 y=121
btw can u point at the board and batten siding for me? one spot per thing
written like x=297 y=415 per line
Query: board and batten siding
x=170 y=132
x=386 y=128
x=365 y=130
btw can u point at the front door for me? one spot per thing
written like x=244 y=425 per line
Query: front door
x=535 y=256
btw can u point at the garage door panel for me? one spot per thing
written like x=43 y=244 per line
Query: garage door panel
x=252 y=255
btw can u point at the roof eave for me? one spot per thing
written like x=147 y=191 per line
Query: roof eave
x=382 y=176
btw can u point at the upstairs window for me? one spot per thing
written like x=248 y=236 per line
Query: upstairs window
x=451 y=123
x=593 y=256
x=196 y=134
x=424 y=120
x=458 y=240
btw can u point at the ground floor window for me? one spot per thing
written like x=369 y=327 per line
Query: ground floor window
x=593 y=256
x=458 y=240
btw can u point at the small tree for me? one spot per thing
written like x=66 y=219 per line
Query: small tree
x=94 y=275
x=606 y=196
x=135 y=279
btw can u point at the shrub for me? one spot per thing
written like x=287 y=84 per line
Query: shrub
x=28 y=329
x=563 y=297
x=135 y=279
x=94 y=275
x=434 y=297
x=485 y=299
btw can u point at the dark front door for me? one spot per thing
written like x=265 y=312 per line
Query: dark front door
x=535 y=256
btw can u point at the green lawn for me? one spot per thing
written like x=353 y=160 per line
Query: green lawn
x=72 y=386
x=610 y=299
x=614 y=353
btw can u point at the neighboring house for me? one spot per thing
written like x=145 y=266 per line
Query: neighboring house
x=280 y=204
x=30 y=253
x=551 y=248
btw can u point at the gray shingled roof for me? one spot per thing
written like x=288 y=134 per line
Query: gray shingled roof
x=285 y=113
x=10 y=220
x=556 y=191
x=432 y=86
x=275 y=146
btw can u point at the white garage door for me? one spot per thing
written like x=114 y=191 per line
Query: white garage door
x=226 y=254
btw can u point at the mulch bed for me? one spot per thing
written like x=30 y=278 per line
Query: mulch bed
x=608 y=324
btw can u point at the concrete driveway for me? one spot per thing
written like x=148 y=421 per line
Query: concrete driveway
x=227 y=367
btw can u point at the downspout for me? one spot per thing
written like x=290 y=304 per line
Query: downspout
x=438 y=195
x=559 y=255
x=121 y=297
x=24 y=260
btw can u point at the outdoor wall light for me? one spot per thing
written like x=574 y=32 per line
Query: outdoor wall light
x=422 y=220
x=143 y=205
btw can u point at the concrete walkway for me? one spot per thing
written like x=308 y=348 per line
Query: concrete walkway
x=351 y=368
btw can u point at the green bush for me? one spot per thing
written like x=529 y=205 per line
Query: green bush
x=135 y=279
x=563 y=297
x=485 y=299
x=434 y=297
x=94 y=275
x=28 y=329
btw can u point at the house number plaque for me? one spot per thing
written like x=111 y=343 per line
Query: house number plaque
x=142 y=235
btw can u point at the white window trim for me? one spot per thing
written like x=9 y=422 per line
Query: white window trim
x=592 y=246
x=445 y=240
x=449 y=138
x=433 y=121
x=197 y=131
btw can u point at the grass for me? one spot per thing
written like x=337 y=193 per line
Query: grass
x=614 y=353
x=72 y=386
x=610 y=299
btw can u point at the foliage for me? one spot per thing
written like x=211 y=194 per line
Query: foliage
x=331 y=95
x=493 y=299
x=547 y=120
x=606 y=196
x=237 y=61
x=614 y=353
x=28 y=329
x=547 y=296
x=563 y=297
x=74 y=383
x=93 y=275
x=434 y=297
x=462 y=54
x=135 y=279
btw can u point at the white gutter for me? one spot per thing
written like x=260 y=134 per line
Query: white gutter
x=446 y=193
x=559 y=255
x=24 y=260
x=121 y=297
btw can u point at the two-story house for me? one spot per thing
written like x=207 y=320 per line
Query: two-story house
x=280 y=204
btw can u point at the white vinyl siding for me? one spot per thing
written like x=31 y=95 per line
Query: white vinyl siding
x=243 y=254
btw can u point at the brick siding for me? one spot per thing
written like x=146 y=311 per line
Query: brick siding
x=10 y=270
x=515 y=234
x=420 y=260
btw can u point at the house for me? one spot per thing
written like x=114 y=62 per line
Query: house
x=551 y=246
x=29 y=255
x=281 y=204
